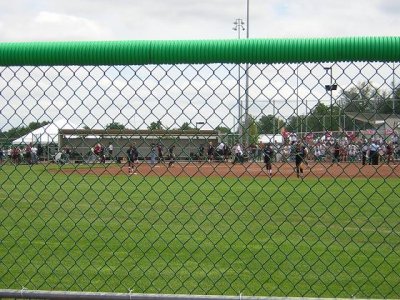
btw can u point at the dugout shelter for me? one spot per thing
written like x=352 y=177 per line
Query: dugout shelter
x=187 y=142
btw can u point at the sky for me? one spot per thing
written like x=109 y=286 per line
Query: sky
x=102 y=20
x=59 y=20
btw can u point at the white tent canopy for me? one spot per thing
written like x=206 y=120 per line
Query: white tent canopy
x=270 y=138
x=46 y=134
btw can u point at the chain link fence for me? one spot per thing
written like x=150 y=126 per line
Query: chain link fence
x=272 y=176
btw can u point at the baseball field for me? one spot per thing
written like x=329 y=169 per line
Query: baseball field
x=202 y=229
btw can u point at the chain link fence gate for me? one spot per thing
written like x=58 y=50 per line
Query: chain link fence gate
x=114 y=177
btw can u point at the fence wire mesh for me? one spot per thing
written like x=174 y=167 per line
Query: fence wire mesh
x=213 y=179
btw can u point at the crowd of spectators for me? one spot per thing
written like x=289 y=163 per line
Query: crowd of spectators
x=373 y=150
x=28 y=154
x=339 y=149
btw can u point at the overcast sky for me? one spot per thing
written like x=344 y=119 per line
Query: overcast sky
x=77 y=20
x=50 y=20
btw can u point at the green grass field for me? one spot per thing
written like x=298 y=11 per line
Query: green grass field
x=314 y=238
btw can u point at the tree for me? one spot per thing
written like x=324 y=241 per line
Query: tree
x=365 y=98
x=155 y=125
x=360 y=98
x=186 y=126
x=252 y=129
x=319 y=118
x=17 y=132
x=224 y=130
x=270 y=124
x=115 y=125
x=226 y=135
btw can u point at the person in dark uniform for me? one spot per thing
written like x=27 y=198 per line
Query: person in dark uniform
x=132 y=154
x=201 y=152
x=336 y=153
x=171 y=156
x=160 y=153
x=210 y=151
x=268 y=153
x=300 y=155
x=364 y=152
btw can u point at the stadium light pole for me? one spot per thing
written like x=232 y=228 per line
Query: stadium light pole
x=246 y=109
x=238 y=26
x=297 y=99
x=394 y=92
x=330 y=88
x=248 y=18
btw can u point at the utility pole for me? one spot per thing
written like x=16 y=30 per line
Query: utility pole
x=246 y=108
x=238 y=26
x=330 y=88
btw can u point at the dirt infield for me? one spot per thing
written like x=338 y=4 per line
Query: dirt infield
x=206 y=169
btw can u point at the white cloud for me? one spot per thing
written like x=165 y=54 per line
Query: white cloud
x=51 y=26
x=182 y=19
x=52 y=20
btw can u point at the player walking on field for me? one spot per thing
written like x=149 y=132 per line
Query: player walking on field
x=300 y=156
x=132 y=154
x=160 y=153
x=210 y=151
x=268 y=153
x=171 y=156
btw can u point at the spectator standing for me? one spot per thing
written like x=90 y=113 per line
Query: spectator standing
x=1 y=155
x=286 y=153
x=336 y=153
x=365 y=153
x=238 y=153
x=34 y=157
x=317 y=152
x=352 y=152
x=97 y=149
x=374 y=153
x=110 y=151
x=201 y=152
x=15 y=155
x=395 y=138
x=259 y=150
x=389 y=153
x=253 y=151
x=153 y=154
x=102 y=154
x=28 y=153
x=67 y=152
x=160 y=153
x=220 y=150
x=39 y=151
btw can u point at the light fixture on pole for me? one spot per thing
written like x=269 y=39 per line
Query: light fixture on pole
x=239 y=26
x=199 y=123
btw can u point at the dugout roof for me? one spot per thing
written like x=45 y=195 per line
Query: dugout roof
x=389 y=120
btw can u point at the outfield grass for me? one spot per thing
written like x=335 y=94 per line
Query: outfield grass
x=279 y=237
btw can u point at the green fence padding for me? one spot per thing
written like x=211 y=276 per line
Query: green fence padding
x=384 y=49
